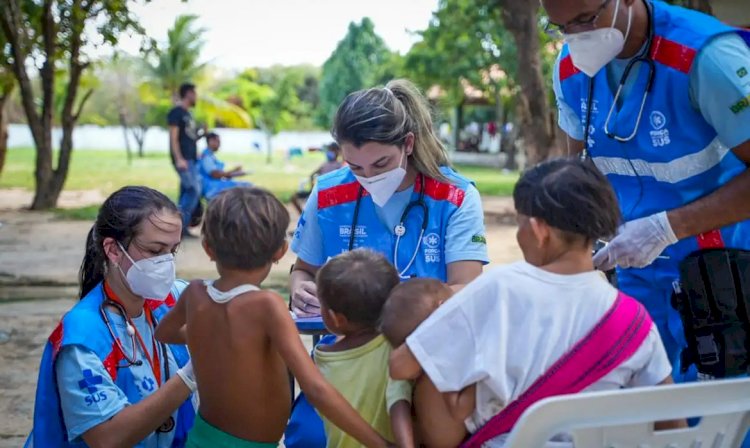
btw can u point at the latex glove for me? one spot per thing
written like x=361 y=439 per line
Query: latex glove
x=187 y=376
x=305 y=301
x=637 y=244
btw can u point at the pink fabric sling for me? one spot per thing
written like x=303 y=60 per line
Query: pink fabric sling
x=613 y=340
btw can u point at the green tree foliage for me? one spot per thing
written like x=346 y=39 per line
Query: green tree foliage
x=272 y=107
x=463 y=41
x=305 y=98
x=47 y=36
x=498 y=48
x=355 y=64
x=179 y=60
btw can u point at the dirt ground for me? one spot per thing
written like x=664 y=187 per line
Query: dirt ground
x=39 y=260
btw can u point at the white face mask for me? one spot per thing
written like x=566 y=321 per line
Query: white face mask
x=384 y=185
x=592 y=50
x=150 y=278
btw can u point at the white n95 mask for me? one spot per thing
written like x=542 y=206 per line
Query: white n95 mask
x=592 y=50
x=151 y=278
x=384 y=185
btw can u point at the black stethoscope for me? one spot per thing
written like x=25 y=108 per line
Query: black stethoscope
x=400 y=229
x=643 y=57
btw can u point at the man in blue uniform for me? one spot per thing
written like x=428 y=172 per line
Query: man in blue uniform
x=659 y=98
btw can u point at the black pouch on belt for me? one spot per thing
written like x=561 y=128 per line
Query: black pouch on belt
x=713 y=299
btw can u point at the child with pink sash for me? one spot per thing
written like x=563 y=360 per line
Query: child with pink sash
x=519 y=333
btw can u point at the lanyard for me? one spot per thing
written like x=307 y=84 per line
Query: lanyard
x=154 y=361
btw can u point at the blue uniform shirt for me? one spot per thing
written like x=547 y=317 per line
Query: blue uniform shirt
x=719 y=79
x=696 y=112
x=89 y=396
x=467 y=222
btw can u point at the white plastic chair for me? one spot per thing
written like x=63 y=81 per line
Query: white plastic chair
x=624 y=418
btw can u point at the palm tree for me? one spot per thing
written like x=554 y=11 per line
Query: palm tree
x=180 y=62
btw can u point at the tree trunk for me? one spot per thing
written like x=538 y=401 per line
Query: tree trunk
x=269 y=148
x=139 y=134
x=520 y=18
x=458 y=124
x=49 y=180
x=700 y=5
x=3 y=128
x=124 y=124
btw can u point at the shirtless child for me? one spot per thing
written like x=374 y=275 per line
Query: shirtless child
x=408 y=305
x=242 y=339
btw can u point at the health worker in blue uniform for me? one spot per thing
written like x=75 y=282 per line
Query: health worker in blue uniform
x=658 y=97
x=104 y=380
x=398 y=195
x=214 y=178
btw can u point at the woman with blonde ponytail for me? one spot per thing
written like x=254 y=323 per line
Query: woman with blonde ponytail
x=398 y=196
x=396 y=163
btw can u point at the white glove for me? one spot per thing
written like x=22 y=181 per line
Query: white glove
x=187 y=376
x=637 y=244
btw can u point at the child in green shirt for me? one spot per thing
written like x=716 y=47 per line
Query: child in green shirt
x=353 y=288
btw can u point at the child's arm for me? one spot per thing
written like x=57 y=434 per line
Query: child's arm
x=171 y=328
x=461 y=404
x=324 y=397
x=403 y=365
x=402 y=425
x=669 y=424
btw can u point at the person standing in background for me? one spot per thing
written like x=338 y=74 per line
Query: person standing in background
x=183 y=135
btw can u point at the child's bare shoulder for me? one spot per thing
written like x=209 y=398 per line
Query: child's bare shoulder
x=263 y=300
x=193 y=289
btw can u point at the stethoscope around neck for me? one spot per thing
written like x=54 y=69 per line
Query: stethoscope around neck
x=400 y=229
x=643 y=57
x=130 y=360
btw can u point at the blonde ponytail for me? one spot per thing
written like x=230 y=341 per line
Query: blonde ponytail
x=387 y=115
x=429 y=153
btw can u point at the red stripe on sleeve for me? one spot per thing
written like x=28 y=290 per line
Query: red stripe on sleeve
x=340 y=194
x=672 y=54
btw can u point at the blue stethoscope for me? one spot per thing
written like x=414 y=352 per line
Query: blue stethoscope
x=400 y=229
x=643 y=57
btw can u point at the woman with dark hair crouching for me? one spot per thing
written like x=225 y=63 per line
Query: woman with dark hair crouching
x=104 y=380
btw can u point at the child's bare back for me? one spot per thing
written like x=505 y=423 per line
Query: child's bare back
x=244 y=384
x=242 y=340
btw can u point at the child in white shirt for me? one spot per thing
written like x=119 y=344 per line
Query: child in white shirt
x=492 y=340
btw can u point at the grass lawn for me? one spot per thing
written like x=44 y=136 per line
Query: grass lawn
x=107 y=171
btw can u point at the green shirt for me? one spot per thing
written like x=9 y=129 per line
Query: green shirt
x=361 y=376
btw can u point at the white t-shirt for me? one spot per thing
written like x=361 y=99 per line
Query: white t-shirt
x=509 y=326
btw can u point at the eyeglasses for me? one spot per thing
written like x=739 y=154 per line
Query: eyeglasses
x=556 y=31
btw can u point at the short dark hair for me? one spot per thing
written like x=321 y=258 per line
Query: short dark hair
x=211 y=136
x=185 y=88
x=245 y=227
x=357 y=284
x=408 y=305
x=571 y=196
